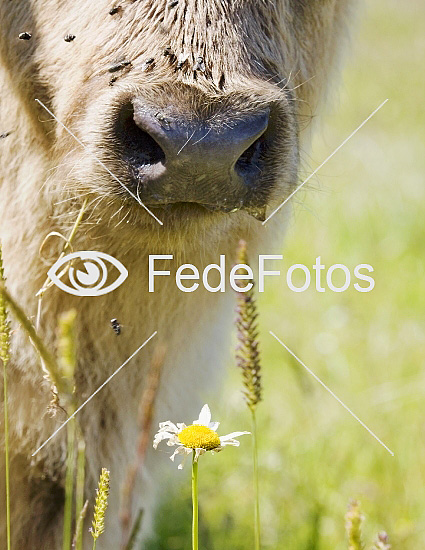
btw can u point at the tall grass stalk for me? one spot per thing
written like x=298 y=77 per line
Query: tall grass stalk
x=248 y=360
x=69 y=485
x=6 y=454
x=60 y=374
x=77 y=543
x=79 y=490
x=67 y=247
x=67 y=360
x=195 y=504
x=5 y=355
x=256 y=481
x=48 y=361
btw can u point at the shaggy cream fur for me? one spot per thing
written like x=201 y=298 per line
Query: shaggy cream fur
x=255 y=52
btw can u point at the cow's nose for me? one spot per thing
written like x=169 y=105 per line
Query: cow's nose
x=214 y=161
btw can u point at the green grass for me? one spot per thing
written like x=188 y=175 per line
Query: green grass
x=365 y=206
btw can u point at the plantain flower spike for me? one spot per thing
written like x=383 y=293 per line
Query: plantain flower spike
x=4 y=323
x=247 y=353
x=353 y=523
x=101 y=504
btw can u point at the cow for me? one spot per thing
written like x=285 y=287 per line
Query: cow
x=179 y=126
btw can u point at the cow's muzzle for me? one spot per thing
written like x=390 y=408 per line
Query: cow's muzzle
x=215 y=162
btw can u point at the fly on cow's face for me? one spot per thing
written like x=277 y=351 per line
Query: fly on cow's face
x=116 y=326
x=168 y=52
x=149 y=64
x=182 y=60
x=118 y=66
x=199 y=65
x=25 y=36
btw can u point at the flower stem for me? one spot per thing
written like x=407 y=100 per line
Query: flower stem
x=6 y=449
x=256 y=483
x=195 y=502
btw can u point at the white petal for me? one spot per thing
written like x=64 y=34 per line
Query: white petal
x=180 y=451
x=232 y=436
x=229 y=439
x=214 y=426
x=233 y=442
x=174 y=440
x=160 y=436
x=204 y=416
x=198 y=453
x=168 y=426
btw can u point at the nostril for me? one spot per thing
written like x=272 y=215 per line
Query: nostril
x=139 y=147
x=252 y=159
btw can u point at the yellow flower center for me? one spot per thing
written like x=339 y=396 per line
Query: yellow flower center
x=199 y=437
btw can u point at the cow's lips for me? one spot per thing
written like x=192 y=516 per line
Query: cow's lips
x=208 y=196
x=259 y=213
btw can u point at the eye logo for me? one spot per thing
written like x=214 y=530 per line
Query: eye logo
x=89 y=279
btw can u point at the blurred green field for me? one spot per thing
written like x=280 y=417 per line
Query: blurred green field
x=365 y=206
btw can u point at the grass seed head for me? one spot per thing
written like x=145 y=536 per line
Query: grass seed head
x=353 y=523
x=4 y=322
x=247 y=353
x=101 y=504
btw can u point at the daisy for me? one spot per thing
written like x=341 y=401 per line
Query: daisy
x=196 y=439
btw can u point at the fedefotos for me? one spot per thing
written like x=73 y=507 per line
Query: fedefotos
x=188 y=277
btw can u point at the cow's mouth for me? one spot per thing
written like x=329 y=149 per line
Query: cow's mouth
x=199 y=209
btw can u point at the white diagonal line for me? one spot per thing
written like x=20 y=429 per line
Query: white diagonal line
x=332 y=393
x=101 y=163
x=325 y=161
x=187 y=142
x=96 y=392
